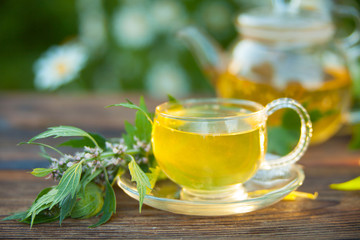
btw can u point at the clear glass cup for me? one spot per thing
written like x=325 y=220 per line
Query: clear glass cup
x=210 y=147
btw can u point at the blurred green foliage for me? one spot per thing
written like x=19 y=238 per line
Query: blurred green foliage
x=29 y=29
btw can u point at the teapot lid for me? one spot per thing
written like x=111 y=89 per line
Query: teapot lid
x=286 y=23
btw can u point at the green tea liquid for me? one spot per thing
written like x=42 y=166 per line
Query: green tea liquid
x=207 y=161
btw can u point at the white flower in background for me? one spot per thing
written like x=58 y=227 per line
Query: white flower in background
x=167 y=78
x=132 y=26
x=59 y=65
x=168 y=14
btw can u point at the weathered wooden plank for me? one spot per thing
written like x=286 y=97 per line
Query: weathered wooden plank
x=39 y=111
x=334 y=214
x=23 y=116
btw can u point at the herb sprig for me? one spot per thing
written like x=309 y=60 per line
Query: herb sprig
x=86 y=178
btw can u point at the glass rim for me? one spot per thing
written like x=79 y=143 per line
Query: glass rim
x=258 y=108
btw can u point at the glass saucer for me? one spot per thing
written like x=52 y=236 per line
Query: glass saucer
x=261 y=193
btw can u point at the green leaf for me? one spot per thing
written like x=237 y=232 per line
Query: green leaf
x=355 y=75
x=42 y=202
x=351 y=185
x=174 y=103
x=143 y=126
x=44 y=216
x=120 y=171
x=153 y=175
x=281 y=141
x=316 y=115
x=87 y=179
x=64 y=131
x=43 y=192
x=49 y=197
x=68 y=183
x=130 y=134
x=45 y=197
x=143 y=123
x=291 y=120
x=172 y=99
x=41 y=172
x=142 y=181
x=109 y=206
x=66 y=206
x=85 y=141
x=131 y=105
x=355 y=140
x=16 y=216
x=90 y=202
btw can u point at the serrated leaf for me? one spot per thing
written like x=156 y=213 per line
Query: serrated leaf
x=44 y=216
x=142 y=181
x=49 y=197
x=109 y=207
x=42 y=202
x=66 y=206
x=45 y=197
x=41 y=172
x=131 y=105
x=143 y=123
x=87 y=179
x=351 y=185
x=82 y=142
x=129 y=136
x=143 y=126
x=43 y=192
x=68 y=183
x=63 y=131
x=16 y=216
x=90 y=202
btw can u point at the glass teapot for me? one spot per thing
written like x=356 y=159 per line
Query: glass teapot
x=288 y=51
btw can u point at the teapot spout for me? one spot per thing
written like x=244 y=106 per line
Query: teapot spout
x=208 y=52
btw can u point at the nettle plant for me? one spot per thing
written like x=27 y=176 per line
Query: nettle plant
x=86 y=178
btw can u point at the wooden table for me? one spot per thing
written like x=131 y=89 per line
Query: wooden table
x=334 y=215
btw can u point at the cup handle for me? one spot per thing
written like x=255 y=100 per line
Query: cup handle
x=305 y=135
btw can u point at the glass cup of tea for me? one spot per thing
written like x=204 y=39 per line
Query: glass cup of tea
x=210 y=147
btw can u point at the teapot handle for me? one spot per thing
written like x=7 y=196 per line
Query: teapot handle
x=354 y=37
